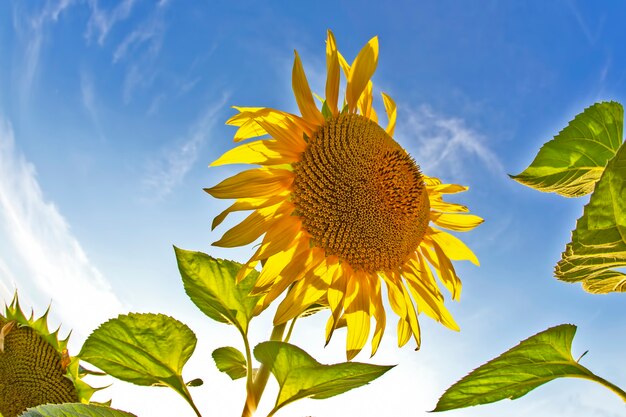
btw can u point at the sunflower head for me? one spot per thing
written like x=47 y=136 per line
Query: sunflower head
x=35 y=367
x=342 y=209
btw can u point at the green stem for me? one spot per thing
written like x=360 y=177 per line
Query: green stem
x=293 y=322
x=617 y=390
x=258 y=386
x=249 y=380
x=187 y=395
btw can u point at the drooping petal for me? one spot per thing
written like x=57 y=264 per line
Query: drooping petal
x=392 y=113
x=332 y=77
x=284 y=233
x=361 y=72
x=357 y=313
x=429 y=302
x=335 y=296
x=250 y=229
x=248 y=204
x=253 y=183
x=303 y=95
x=453 y=247
x=378 y=311
x=446 y=188
x=444 y=269
x=250 y=129
x=309 y=290
x=458 y=222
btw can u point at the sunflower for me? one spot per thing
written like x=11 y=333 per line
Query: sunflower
x=342 y=209
x=35 y=367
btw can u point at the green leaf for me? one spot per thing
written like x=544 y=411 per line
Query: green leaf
x=231 y=361
x=145 y=349
x=571 y=163
x=535 y=361
x=211 y=284
x=301 y=376
x=598 y=243
x=74 y=410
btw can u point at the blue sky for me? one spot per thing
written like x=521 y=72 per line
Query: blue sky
x=110 y=113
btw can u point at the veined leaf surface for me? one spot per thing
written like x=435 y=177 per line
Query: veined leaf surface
x=572 y=162
x=598 y=243
x=74 y=410
x=535 y=361
x=300 y=376
x=212 y=285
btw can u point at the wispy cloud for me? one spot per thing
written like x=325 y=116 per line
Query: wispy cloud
x=140 y=48
x=102 y=21
x=169 y=169
x=39 y=254
x=439 y=142
x=592 y=36
x=89 y=100
x=30 y=30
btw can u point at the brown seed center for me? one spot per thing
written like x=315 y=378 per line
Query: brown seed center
x=360 y=195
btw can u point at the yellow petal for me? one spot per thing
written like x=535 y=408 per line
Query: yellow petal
x=357 y=314
x=303 y=95
x=429 y=302
x=412 y=317
x=335 y=296
x=248 y=204
x=366 y=100
x=394 y=293
x=378 y=311
x=404 y=332
x=446 y=188
x=259 y=152
x=444 y=269
x=453 y=247
x=332 y=70
x=392 y=113
x=272 y=268
x=345 y=67
x=249 y=129
x=458 y=222
x=261 y=182
x=297 y=269
x=282 y=234
x=242 y=117
x=445 y=207
x=306 y=292
x=361 y=71
x=250 y=229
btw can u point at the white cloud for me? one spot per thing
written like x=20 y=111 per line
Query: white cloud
x=102 y=21
x=38 y=253
x=168 y=170
x=438 y=142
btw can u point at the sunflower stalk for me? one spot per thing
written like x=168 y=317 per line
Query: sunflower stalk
x=256 y=388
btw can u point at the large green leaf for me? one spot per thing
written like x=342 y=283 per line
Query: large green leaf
x=571 y=163
x=145 y=349
x=598 y=243
x=211 y=284
x=231 y=361
x=74 y=410
x=301 y=376
x=535 y=361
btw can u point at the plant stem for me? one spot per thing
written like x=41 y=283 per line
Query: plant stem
x=255 y=390
x=617 y=390
x=293 y=323
x=187 y=395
